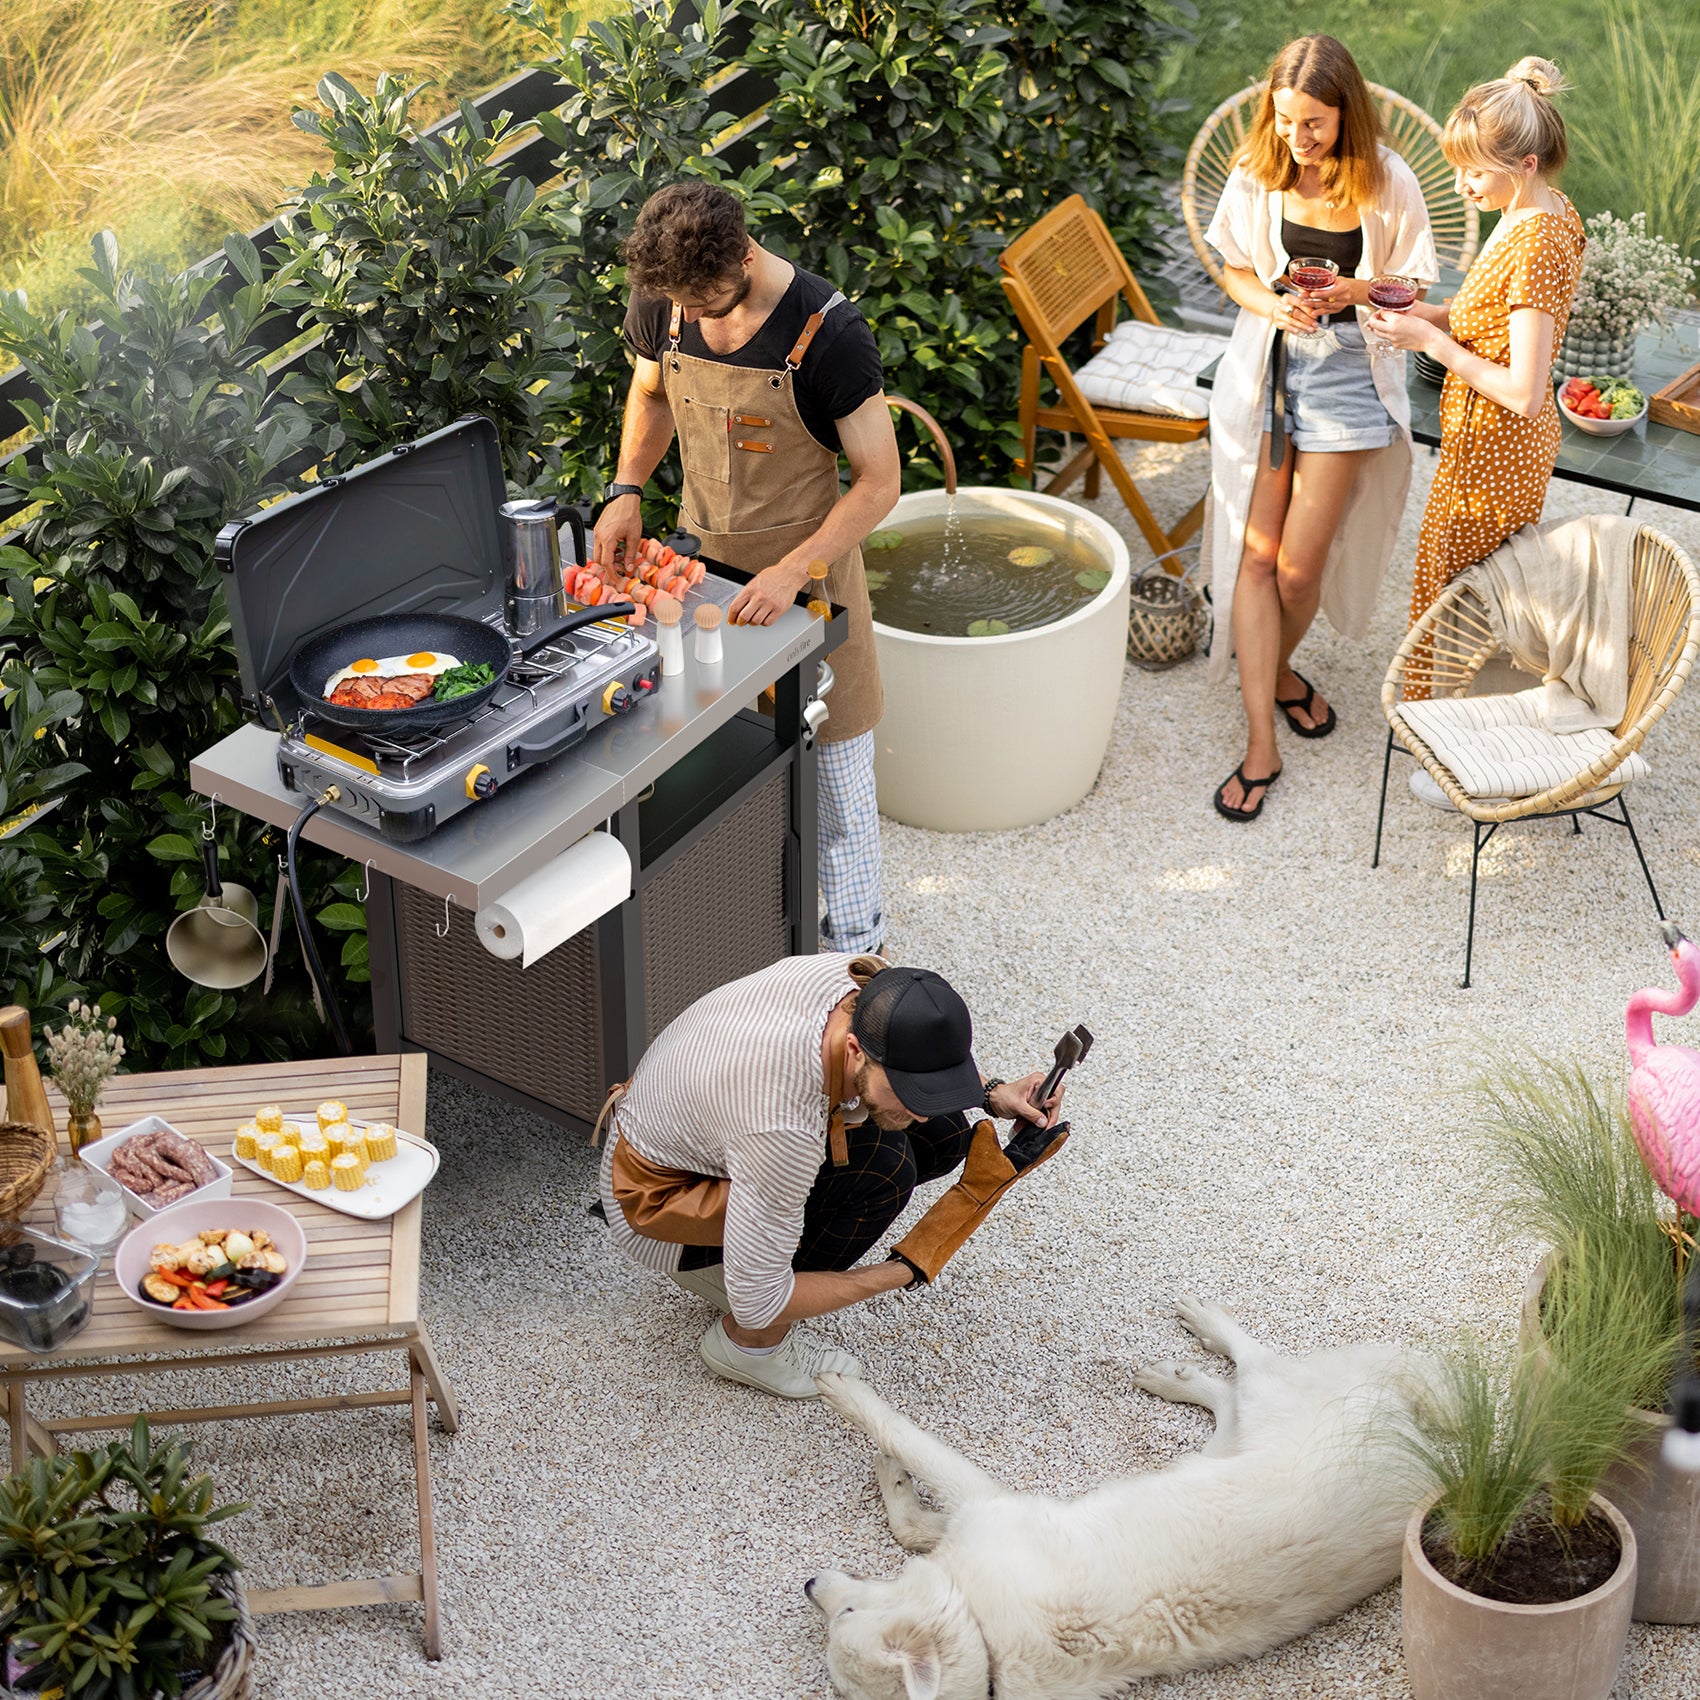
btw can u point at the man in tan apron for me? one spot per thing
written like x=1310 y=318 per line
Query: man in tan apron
x=766 y=374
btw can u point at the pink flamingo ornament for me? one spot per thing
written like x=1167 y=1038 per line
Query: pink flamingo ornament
x=1664 y=1087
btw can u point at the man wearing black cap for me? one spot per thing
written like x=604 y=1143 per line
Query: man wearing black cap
x=776 y=1129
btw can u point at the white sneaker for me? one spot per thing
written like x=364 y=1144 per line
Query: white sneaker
x=708 y=1284
x=789 y=1370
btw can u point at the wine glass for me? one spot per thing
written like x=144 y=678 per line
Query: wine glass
x=1390 y=294
x=1308 y=274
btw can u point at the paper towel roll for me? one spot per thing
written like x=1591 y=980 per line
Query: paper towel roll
x=562 y=898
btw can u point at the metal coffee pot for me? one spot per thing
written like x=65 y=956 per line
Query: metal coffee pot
x=536 y=592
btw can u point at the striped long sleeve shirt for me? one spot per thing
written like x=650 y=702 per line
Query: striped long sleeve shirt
x=733 y=1087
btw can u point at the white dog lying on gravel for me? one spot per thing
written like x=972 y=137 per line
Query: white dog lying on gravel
x=1294 y=1511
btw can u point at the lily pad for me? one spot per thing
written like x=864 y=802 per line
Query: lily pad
x=1031 y=555
x=987 y=628
x=876 y=579
x=884 y=540
x=1092 y=578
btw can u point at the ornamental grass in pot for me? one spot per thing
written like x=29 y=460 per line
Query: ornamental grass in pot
x=1564 y=1168
x=112 y=1588
x=1518 y=1578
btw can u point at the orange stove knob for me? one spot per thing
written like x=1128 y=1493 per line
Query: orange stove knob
x=480 y=783
x=616 y=699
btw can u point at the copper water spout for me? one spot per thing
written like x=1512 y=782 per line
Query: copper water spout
x=905 y=405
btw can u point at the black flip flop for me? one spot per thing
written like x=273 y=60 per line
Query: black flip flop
x=1247 y=784
x=1303 y=704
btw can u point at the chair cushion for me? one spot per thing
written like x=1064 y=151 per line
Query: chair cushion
x=1497 y=747
x=1151 y=369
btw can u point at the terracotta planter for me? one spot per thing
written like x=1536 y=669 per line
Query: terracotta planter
x=1459 y=1646
x=1662 y=1504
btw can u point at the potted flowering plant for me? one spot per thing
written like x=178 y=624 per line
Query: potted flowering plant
x=1630 y=279
x=83 y=1055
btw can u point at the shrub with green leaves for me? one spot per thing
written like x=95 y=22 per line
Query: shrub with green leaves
x=109 y=1577
x=436 y=290
x=157 y=432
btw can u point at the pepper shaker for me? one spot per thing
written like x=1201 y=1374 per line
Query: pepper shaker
x=708 y=635
x=667 y=612
x=26 y=1097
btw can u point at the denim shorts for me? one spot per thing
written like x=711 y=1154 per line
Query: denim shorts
x=1332 y=404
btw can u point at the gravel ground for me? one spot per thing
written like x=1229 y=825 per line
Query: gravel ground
x=1269 y=1118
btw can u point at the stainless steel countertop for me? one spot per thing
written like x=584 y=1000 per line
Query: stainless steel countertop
x=484 y=850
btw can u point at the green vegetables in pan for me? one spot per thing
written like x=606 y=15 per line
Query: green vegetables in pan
x=463 y=680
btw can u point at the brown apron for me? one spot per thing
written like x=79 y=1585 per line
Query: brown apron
x=757 y=485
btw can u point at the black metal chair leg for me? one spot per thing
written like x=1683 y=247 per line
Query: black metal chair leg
x=1647 y=872
x=1470 y=936
x=1381 y=813
x=1575 y=826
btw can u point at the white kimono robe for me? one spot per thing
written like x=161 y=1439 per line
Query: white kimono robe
x=1246 y=231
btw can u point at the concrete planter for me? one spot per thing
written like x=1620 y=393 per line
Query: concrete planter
x=1662 y=1505
x=1459 y=1646
x=982 y=734
x=1594 y=357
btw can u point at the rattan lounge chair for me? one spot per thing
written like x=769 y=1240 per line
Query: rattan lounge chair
x=1664 y=638
x=1057 y=275
x=1410 y=132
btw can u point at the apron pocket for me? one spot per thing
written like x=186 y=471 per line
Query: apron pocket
x=705 y=435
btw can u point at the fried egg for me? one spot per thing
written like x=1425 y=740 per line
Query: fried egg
x=429 y=662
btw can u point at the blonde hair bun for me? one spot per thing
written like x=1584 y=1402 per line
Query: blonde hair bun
x=1541 y=75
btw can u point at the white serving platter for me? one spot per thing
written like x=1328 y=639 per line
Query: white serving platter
x=389 y=1185
x=98 y=1155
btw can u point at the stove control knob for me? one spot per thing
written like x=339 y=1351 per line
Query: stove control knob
x=616 y=699
x=480 y=783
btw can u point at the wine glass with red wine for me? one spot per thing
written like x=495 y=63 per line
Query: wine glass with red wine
x=1389 y=294
x=1307 y=274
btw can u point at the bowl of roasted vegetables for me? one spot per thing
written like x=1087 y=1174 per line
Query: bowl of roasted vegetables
x=211 y=1263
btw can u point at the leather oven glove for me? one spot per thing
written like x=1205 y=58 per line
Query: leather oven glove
x=986 y=1176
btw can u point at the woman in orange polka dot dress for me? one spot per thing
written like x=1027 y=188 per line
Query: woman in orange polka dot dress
x=1499 y=424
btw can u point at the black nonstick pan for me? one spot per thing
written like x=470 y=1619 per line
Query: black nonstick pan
x=470 y=641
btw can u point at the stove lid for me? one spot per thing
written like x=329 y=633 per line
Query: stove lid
x=415 y=530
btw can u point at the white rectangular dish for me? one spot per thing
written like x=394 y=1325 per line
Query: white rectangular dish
x=389 y=1185
x=99 y=1156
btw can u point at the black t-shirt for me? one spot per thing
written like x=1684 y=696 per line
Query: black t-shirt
x=840 y=371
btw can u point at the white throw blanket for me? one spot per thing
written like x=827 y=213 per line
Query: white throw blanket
x=1558 y=599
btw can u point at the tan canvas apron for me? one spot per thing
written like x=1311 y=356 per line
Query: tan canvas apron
x=757 y=485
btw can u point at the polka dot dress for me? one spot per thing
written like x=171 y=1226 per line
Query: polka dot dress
x=1494 y=464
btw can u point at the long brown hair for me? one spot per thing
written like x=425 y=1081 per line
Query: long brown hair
x=1323 y=68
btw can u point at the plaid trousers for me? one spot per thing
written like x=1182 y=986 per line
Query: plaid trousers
x=849 y=819
x=849 y=1209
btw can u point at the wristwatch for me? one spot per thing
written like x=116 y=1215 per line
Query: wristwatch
x=613 y=490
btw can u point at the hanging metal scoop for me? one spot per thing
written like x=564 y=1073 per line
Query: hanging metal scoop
x=218 y=943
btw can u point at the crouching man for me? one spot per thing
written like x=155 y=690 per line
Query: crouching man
x=776 y=1129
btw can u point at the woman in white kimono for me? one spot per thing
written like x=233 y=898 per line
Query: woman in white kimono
x=1310 y=437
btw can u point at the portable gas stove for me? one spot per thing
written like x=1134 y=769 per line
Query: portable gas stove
x=407 y=784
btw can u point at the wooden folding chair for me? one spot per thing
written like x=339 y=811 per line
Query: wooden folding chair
x=1057 y=275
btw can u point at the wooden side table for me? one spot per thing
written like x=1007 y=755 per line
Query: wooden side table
x=358 y=1294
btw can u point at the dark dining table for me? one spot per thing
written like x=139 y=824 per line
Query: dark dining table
x=1647 y=463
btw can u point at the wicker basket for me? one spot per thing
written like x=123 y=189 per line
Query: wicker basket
x=1165 y=615
x=27 y=1153
x=232 y=1678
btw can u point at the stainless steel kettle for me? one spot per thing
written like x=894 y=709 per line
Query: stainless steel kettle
x=536 y=591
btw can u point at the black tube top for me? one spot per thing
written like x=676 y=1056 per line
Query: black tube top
x=1344 y=247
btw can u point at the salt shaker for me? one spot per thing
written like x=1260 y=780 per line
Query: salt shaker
x=708 y=634
x=667 y=634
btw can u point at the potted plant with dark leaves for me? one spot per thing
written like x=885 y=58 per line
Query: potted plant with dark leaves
x=1564 y=1169
x=1630 y=279
x=111 y=1585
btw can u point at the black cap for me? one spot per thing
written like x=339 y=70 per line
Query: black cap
x=914 y=1025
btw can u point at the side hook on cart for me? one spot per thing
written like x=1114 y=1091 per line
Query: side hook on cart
x=442 y=932
x=365 y=884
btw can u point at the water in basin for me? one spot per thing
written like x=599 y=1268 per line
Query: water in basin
x=952 y=575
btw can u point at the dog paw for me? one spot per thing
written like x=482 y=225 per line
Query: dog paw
x=892 y=1476
x=1174 y=1379
x=850 y=1397
x=1208 y=1323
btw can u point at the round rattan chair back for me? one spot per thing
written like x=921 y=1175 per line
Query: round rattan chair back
x=27 y=1153
x=1664 y=639
x=1410 y=132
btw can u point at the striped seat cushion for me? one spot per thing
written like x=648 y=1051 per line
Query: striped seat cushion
x=1151 y=369
x=1497 y=747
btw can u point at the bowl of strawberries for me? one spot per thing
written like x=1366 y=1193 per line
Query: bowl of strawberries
x=1603 y=407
